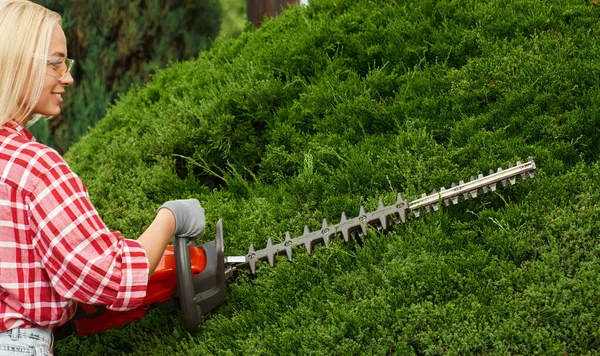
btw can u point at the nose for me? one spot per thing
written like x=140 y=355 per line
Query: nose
x=67 y=80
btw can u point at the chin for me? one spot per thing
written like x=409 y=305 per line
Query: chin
x=47 y=107
x=50 y=112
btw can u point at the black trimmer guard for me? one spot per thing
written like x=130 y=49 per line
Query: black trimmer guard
x=201 y=293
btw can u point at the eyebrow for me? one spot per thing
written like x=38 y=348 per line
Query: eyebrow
x=58 y=54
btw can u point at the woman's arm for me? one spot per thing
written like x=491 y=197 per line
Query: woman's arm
x=181 y=218
x=157 y=236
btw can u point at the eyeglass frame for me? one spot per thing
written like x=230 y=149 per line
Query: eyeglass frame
x=67 y=61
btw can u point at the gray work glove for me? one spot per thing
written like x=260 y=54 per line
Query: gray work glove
x=189 y=217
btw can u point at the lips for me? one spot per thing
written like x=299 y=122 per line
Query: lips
x=58 y=97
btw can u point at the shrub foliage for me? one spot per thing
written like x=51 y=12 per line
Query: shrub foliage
x=335 y=105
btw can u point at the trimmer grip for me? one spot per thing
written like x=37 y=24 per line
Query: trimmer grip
x=202 y=292
x=190 y=311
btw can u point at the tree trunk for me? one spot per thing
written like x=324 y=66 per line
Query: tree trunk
x=257 y=9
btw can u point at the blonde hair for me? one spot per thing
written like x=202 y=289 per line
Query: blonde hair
x=26 y=29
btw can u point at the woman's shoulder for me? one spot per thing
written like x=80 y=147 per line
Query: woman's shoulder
x=43 y=157
x=22 y=160
x=19 y=142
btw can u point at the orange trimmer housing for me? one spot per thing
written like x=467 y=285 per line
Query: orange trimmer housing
x=198 y=283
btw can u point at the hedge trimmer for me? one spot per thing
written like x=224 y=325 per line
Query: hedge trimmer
x=195 y=275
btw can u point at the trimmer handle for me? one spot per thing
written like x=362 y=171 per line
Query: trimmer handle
x=201 y=293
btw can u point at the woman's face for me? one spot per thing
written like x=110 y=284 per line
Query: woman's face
x=54 y=87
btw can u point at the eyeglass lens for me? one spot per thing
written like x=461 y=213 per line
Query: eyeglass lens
x=67 y=68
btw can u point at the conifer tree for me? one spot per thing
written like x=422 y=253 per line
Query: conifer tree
x=119 y=44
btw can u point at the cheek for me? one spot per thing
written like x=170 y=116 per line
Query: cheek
x=29 y=89
x=49 y=84
x=47 y=89
x=47 y=104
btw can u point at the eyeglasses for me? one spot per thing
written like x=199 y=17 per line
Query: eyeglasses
x=61 y=66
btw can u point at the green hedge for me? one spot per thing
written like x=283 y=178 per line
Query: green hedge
x=117 y=45
x=344 y=102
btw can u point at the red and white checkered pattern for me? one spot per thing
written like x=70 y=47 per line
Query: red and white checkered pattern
x=55 y=250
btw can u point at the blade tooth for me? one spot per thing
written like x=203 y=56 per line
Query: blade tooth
x=492 y=186
x=345 y=233
x=446 y=201
x=465 y=195
x=402 y=208
x=428 y=208
x=326 y=232
x=306 y=239
x=382 y=215
x=519 y=163
x=417 y=213
x=251 y=259
x=362 y=217
x=532 y=172
x=363 y=212
x=271 y=252
x=512 y=180
x=435 y=206
x=383 y=222
x=308 y=246
x=473 y=192
x=510 y=165
x=288 y=245
x=484 y=188
x=423 y=195
x=523 y=176
x=454 y=200
x=399 y=199
x=503 y=181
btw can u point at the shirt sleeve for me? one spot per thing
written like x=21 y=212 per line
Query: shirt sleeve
x=85 y=261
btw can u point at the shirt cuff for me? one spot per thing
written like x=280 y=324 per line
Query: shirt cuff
x=135 y=267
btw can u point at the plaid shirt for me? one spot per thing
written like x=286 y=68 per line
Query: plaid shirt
x=55 y=250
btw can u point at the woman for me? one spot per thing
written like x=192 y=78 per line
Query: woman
x=55 y=251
